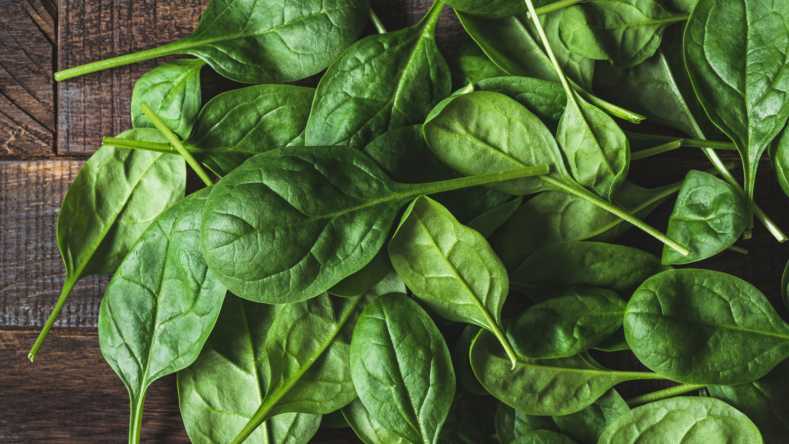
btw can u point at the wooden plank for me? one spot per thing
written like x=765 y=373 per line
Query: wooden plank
x=71 y=395
x=27 y=107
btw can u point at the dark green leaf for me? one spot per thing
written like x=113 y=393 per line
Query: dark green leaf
x=545 y=99
x=384 y=82
x=708 y=218
x=173 y=91
x=460 y=361
x=683 y=419
x=402 y=368
x=469 y=64
x=765 y=402
x=578 y=68
x=223 y=388
x=494 y=8
x=779 y=158
x=592 y=264
x=543 y=437
x=371 y=274
x=161 y=304
x=616 y=342
x=471 y=419
x=333 y=420
x=705 y=327
x=569 y=323
x=544 y=387
x=367 y=428
x=488 y=222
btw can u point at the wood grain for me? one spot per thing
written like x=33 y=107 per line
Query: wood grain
x=27 y=107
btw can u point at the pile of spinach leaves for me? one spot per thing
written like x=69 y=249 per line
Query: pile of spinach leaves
x=427 y=266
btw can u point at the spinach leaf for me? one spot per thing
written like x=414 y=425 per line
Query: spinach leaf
x=740 y=79
x=677 y=322
x=221 y=390
x=493 y=9
x=488 y=222
x=463 y=372
x=410 y=78
x=544 y=387
x=469 y=64
x=450 y=267
x=616 y=342
x=402 y=369
x=367 y=428
x=111 y=202
x=708 y=218
x=308 y=350
x=579 y=68
x=379 y=273
x=173 y=91
x=624 y=32
x=593 y=264
x=765 y=402
x=545 y=99
x=585 y=426
x=253 y=42
x=544 y=437
x=161 y=305
x=569 y=323
x=779 y=158
x=320 y=214
x=334 y=420
x=471 y=420
x=683 y=419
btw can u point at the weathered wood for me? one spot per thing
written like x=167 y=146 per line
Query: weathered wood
x=27 y=107
x=70 y=395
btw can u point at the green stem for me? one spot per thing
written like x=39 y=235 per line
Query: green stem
x=482 y=179
x=691 y=143
x=68 y=285
x=610 y=108
x=157 y=122
x=116 y=61
x=555 y=6
x=377 y=22
x=643 y=154
x=165 y=148
x=662 y=394
x=135 y=423
x=738 y=249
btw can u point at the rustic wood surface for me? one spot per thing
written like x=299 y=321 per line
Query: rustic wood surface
x=70 y=395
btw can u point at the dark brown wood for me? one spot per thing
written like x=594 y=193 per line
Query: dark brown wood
x=27 y=107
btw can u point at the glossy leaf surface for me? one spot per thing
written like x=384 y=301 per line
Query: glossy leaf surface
x=402 y=368
x=469 y=64
x=223 y=388
x=367 y=428
x=488 y=222
x=410 y=78
x=677 y=322
x=545 y=99
x=779 y=158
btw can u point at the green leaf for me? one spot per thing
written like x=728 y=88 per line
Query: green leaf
x=402 y=368
x=677 y=324
x=223 y=388
x=779 y=158
x=544 y=387
x=739 y=75
x=683 y=419
x=493 y=9
x=113 y=199
x=585 y=426
x=624 y=32
x=575 y=320
x=785 y=286
x=173 y=91
x=367 y=428
x=308 y=349
x=579 y=68
x=765 y=402
x=383 y=82
x=161 y=305
x=469 y=64
x=471 y=419
x=460 y=361
x=592 y=264
x=545 y=99
x=616 y=342
x=709 y=217
x=379 y=269
x=544 y=437
x=320 y=215
x=450 y=267
x=334 y=420
x=488 y=222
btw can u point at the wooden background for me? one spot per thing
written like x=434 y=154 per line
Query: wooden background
x=47 y=130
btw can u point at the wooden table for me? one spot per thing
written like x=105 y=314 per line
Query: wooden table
x=47 y=131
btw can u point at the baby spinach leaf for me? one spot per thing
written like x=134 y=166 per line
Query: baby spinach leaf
x=545 y=99
x=450 y=267
x=410 y=78
x=544 y=437
x=320 y=215
x=471 y=420
x=544 y=387
x=221 y=390
x=708 y=218
x=616 y=342
x=367 y=428
x=740 y=79
x=592 y=264
x=161 y=305
x=765 y=402
x=469 y=64
x=253 y=42
x=779 y=158
x=113 y=199
x=585 y=426
x=569 y=323
x=334 y=420
x=486 y=223
x=579 y=68
x=402 y=368
x=624 y=32
x=372 y=274
x=676 y=324
x=492 y=9
x=308 y=349
x=683 y=419
x=460 y=362
x=173 y=91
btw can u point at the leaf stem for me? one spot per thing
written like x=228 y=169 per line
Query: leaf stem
x=157 y=122
x=135 y=422
x=165 y=148
x=115 y=62
x=68 y=285
x=694 y=143
x=379 y=26
x=482 y=179
x=662 y=394
x=643 y=154
x=555 y=6
x=738 y=249
x=610 y=108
